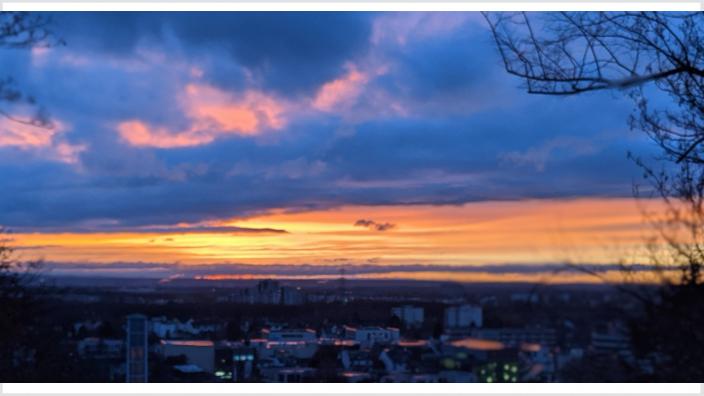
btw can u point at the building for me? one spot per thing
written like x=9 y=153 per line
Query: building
x=295 y=374
x=174 y=328
x=200 y=353
x=100 y=348
x=356 y=376
x=189 y=373
x=242 y=363
x=357 y=360
x=456 y=376
x=502 y=370
x=271 y=292
x=613 y=338
x=137 y=349
x=87 y=326
x=290 y=335
x=515 y=336
x=463 y=317
x=525 y=298
x=410 y=316
x=370 y=336
x=286 y=343
x=292 y=296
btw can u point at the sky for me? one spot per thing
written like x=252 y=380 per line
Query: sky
x=375 y=139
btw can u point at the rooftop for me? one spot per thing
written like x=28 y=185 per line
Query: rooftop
x=191 y=343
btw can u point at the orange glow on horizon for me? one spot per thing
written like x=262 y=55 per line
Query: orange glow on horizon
x=521 y=232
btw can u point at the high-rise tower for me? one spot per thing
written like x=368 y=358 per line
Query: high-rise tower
x=137 y=352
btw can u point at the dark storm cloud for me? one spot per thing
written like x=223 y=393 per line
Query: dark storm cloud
x=287 y=52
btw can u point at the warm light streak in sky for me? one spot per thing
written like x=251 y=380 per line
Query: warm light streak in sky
x=535 y=231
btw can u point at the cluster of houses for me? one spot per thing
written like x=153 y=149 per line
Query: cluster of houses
x=466 y=351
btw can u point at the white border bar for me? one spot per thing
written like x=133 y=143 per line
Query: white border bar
x=386 y=388
x=364 y=5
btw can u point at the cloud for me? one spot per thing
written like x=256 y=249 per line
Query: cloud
x=342 y=91
x=292 y=53
x=176 y=229
x=253 y=111
x=402 y=28
x=17 y=134
x=213 y=113
x=137 y=133
x=165 y=122
x=159 y=270
x=373 y=225
x=538 y=156
x=46 y=142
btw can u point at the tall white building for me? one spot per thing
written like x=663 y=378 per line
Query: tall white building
x=463 y=316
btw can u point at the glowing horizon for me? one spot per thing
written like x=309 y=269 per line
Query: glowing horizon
x=599 y=231
x=357 y=138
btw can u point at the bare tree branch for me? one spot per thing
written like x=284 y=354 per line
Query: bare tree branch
x=22 y=30
x=571 y=53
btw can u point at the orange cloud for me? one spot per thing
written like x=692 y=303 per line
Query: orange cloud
x=213 y=113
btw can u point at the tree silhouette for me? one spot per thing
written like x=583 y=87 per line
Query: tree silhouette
x=21 y=31
x=19 y=302
x=571 y=53
x=22 y=350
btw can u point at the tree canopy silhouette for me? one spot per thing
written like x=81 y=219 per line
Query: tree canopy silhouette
x=21 y=31
x=569 y=53
x=644 y=55
x=22 y=350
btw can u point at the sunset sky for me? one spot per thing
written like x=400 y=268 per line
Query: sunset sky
x=375 y=139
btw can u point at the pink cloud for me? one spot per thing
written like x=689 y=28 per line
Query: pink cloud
x=354 y=96
x=46 y=142
x=249 y=114
x=67 y=153
x=39 y=55
x=17 y=134
x=213 y=113
x=342 y=91
x=138 y=133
